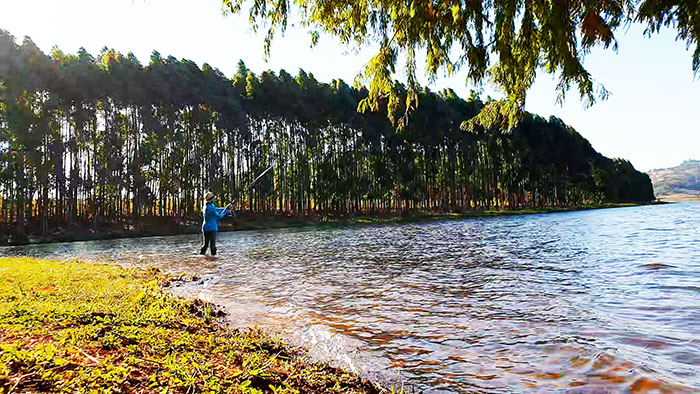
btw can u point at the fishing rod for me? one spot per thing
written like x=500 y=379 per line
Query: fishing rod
x=258 y=178
x=250 y=186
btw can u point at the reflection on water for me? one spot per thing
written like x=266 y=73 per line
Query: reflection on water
x=605 y=299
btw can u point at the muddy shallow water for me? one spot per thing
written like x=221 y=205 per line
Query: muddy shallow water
x=601 y=300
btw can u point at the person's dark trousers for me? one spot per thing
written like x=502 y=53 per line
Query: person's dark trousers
x=209 y=239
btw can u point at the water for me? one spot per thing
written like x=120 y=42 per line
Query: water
x=603 y=300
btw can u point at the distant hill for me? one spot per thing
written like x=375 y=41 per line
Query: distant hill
x=677 y=183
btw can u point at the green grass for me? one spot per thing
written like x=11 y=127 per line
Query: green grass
x=79 y=327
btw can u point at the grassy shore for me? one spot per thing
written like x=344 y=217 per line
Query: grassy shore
x=80 y=327
x=249 y=221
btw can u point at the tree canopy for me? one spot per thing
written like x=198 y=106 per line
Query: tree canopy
x=505 y=42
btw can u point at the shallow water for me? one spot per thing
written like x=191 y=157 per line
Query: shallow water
x=593 y=300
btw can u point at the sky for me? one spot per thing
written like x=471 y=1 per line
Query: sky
x=651 y=117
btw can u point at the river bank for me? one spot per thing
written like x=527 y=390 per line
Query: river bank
x=505 y=304
x=75 y=326
x=163 y=226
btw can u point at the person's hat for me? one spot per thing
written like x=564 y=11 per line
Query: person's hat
x=209 y=196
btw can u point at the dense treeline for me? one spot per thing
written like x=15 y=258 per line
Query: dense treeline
x=106 y=140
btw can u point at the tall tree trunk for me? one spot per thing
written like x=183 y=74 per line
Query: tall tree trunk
x=21 y=189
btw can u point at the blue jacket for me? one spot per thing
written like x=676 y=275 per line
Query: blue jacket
x=212 y=215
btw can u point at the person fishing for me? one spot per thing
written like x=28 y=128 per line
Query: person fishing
x=212 y=214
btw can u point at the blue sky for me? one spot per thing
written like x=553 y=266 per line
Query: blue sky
x=651 y=118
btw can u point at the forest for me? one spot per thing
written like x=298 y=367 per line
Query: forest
x=95 y=141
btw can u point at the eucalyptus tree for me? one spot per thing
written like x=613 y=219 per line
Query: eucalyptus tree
x=105 y=142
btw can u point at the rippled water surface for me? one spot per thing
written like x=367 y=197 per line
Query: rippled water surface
x=593 y=300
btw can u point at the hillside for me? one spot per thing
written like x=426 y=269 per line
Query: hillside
x=680 y=182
